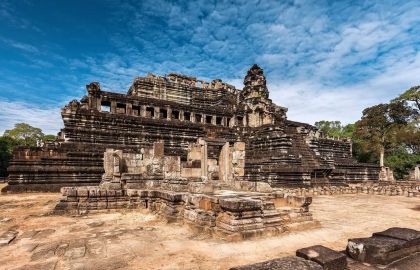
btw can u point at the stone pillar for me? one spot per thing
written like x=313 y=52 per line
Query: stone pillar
x=233 y=121
x=224 y=121
x=98 y=103
x=157 y=113
x=238 y=159
x=204 y=168
x=129 y=109
x=192 y=117
x=213 y=120
x=143 y=110
x=225 y=163
x=113 y=106
x=169 y=114
x=181 y=115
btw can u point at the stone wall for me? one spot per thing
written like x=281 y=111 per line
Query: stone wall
x=230 y=215
x=407 y=189
x=394 y=248
x=179 y=110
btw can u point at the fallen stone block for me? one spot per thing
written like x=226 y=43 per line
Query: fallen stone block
x=286 y=263
x=379 y=250
x=329 y=259
x=410 y=235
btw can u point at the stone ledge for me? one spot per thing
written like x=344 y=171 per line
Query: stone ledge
x=286 y=263
x=329 y=259
x=384 y=247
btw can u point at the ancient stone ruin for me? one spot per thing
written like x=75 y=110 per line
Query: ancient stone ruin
x=394 y=248
x=208 y=132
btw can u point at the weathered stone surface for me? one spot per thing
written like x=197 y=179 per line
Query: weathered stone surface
x=379 y=249
x=286 y=263
x=329 y=259
x=7 y=237
x=410 y=235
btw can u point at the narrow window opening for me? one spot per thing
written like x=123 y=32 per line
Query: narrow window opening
x=198 y=118
x=187 y=116
x=208 y=119
x=228 y=121
x=218 y=120
x=106 y=106
x=150 y=112
x=240 y=120
x=121 y=108
x=163 y=114
x=175 y=115
x=136 y=110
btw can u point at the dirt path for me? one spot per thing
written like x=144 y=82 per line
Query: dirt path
x=139 y=240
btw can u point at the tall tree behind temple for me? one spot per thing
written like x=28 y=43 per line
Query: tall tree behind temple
x=335 y=129
x=25 y=134
x=380 y=124
x=411 y=96
x=21 y=135
x=6 y=148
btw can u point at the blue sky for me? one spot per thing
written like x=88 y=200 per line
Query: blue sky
x=324 y=60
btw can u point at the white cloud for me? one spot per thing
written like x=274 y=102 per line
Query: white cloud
x=11 y=113
x=308 y=101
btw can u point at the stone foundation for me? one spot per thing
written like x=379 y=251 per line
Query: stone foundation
x=395 y=248
x=399 y=188
x=225 y=214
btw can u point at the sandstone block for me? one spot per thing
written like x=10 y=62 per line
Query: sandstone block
x=240 y=205
x=377 y=250
x=329 y=259
x=286 y=263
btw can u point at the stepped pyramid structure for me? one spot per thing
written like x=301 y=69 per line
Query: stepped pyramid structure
x=238 y=135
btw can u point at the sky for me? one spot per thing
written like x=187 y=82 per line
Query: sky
x=324 y=60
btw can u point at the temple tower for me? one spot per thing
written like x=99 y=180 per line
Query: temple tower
x=255 y=97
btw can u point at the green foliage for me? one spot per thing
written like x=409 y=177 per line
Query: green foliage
x=380 y=124
x=21 y=135
x=49 y=137
x=411 y=96
x=25 y=134
x=335 y=129
x=402 y=162
x=388 y=131
x=6 y=148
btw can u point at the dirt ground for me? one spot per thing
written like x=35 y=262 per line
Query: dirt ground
x=139 y=240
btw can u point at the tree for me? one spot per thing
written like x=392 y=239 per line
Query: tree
x=25 y=134
x=412 y=95
x=7 y=145
x=49 y=137
x=335 y=128
x=379 y=125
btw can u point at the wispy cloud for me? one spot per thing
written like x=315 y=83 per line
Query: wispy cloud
x=322 y=59
x=20 y=45
x=48 y=119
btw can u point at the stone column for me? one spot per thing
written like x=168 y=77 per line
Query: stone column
x=203 y=145
x=224 y=163
x=98 y=103
x=113 y=106
x=192 y=117
x=181 y=115
x=169 y=114
x=157 y=113
x=143 y=110
x=129 y=109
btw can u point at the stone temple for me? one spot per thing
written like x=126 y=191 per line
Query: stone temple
x=205 y=131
